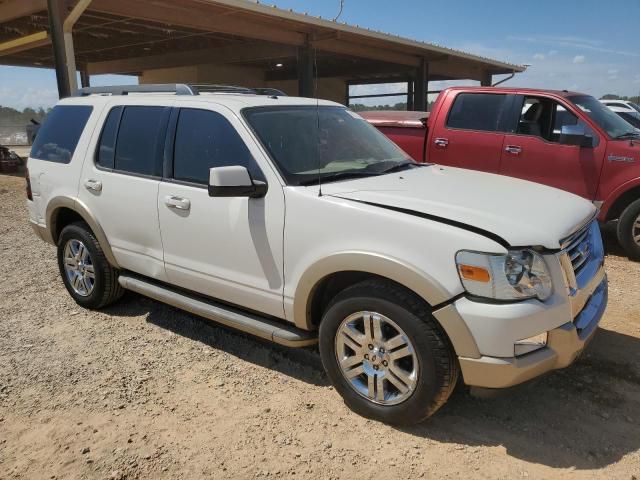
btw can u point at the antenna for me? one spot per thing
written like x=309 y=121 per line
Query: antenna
x=315 y=92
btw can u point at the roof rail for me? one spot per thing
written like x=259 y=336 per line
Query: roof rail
x=177 y=88
x=212 y=88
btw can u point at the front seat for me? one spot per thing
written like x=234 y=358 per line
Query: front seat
x=530 y=123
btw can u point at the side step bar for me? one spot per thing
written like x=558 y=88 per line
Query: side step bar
x=262 y=327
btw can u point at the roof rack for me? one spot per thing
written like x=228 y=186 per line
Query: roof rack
x=210 y=88
x=177 y=88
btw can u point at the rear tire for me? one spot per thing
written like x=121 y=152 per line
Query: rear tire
x=629 y=230
x=85 y=270
x=368 y=373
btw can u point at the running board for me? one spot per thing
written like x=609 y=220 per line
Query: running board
x=253 y=324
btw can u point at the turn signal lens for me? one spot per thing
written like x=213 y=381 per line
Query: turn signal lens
x=478 y=274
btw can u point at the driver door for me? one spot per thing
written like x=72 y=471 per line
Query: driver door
x=226 y=248
x=533 y=152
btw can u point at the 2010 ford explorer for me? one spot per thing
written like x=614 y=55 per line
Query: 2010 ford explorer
x=297 y=221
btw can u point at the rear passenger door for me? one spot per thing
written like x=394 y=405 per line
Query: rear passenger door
x=471 y=135
x=120 y=184
x=226 y=248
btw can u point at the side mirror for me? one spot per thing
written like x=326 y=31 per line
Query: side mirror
x=575 y=135
x=234 y=182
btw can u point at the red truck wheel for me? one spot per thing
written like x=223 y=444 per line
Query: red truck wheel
x=629 y=230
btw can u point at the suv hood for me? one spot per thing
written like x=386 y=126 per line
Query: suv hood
x=511 y=211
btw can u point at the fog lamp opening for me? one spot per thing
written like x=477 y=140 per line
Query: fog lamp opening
x=531 y=344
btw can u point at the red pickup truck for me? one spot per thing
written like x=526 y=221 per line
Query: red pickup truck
x=563 y=139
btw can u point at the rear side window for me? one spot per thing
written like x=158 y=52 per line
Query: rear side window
x=477 y=111
x=140 y=140
x=107 y=146
x=205 y=139
x=58 y=137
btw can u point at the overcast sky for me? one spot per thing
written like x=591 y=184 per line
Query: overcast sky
x=586 y=45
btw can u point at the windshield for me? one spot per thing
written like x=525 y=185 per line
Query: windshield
x=604 y=117
x=332 y=143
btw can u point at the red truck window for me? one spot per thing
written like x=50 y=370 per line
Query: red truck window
x=543 y=117
x=477 y=111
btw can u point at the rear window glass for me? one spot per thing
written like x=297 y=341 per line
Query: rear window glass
x=140 y=140
x=58 y=137
x=477 y=111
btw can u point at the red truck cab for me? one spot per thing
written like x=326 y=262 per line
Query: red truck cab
x=567 y=140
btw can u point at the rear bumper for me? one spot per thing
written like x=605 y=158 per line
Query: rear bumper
x=564 y=345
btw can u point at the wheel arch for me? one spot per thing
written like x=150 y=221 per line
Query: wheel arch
x=61 y=210
x=343 y=269
x=620 y=200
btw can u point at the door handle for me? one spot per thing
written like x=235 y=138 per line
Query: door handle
x=94 y=185
x=513 y=149
x=178 y=203
x=441 y=142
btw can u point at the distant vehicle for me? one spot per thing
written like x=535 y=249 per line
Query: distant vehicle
x=9 y=161
x=410 y=276
x=622 y=105
x=563 y=139
x=632 y=116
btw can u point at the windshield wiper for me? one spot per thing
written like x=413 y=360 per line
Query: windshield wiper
x=401 y=166
x=336 y=176
x=627 y=135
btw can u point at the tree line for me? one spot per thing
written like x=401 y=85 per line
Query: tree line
x=12 y=117
x=612 y=96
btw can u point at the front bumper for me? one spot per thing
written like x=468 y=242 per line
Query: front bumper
x=564 y=345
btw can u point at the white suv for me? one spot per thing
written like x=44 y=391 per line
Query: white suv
x=296 y=221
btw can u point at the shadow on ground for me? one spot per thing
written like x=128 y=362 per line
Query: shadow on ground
x=585 y=416
x=301 y=363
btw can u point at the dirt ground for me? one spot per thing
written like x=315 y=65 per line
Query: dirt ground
x=142 y=390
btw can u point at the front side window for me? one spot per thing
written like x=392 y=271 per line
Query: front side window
x=59 y=135
x=309 y=143
x=477 y=111
x=139 y=144
x=543 y=117
x=205 y=139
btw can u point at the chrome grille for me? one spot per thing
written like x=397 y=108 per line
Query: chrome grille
x=582 y=255
x=579 y=250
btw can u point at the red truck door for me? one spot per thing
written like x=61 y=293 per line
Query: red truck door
x=471 y=135
x=534 y=152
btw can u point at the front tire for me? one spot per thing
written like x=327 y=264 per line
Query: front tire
x=629 y=230
x=385 y=353
x=85 y=270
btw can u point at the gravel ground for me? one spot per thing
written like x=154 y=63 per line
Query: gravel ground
x=142 y=390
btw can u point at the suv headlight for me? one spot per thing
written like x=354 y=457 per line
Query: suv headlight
x=517 y=275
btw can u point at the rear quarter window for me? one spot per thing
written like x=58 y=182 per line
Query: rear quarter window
x=58 y=137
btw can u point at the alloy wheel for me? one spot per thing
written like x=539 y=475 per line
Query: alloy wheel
x=78 y=267
x=377 y=358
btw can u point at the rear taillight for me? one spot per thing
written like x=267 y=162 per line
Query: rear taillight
x=26 y=177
